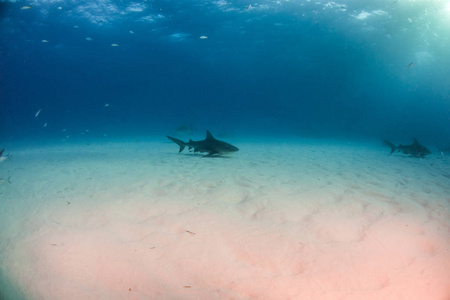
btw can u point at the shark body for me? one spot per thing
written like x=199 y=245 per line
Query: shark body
x=415 y=149
x=209 y=145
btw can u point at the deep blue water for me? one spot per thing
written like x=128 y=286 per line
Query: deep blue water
x=350 y=69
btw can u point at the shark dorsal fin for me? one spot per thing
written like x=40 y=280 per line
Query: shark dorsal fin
x=209 y=136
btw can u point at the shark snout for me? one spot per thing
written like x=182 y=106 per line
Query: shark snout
x=228 y=148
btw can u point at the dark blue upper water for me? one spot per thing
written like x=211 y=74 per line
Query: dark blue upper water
x=291 y=68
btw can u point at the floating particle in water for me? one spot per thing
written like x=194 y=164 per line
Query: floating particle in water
x=410 y=20
x=44 y=41
x=76 y=26
x=88 y=39
x=131 y=31
x=37 y=113
x=107 y=104
x=203 y=37
x=59 y=7
x=45 y=125
x=25 y=7
x=114 y=45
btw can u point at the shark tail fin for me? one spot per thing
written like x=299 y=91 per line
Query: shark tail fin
x=392 y=146
x=178 y=142
x=1 y=152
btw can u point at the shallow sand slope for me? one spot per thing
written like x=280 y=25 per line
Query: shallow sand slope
x=301 y=220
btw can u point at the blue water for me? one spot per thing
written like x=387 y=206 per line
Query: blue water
x=112 y=69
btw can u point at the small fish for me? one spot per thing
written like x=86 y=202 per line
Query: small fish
x=409 y=66
x=37 y=113
x=25 y=7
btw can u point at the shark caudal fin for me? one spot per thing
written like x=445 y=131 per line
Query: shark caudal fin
x=1 y=152
x=389 y=144
x=178 y=142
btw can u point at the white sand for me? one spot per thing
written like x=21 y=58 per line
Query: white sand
x=274 y=221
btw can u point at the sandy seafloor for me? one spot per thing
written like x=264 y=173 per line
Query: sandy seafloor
x=277 y=220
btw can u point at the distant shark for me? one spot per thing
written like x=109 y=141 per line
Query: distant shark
x=2 y=158
x=209 y=145
x=445 y=149
x=415 y=149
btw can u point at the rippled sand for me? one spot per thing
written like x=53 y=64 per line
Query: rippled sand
x=291 y=220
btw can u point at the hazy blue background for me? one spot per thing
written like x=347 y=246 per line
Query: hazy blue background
x=243 y=68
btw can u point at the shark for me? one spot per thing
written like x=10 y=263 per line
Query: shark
x=415 y=149
x=209 y=145
x=445 y=149
x=2 y=159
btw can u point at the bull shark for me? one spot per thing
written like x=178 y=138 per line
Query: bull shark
x=415 y=149
x=209 y=145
